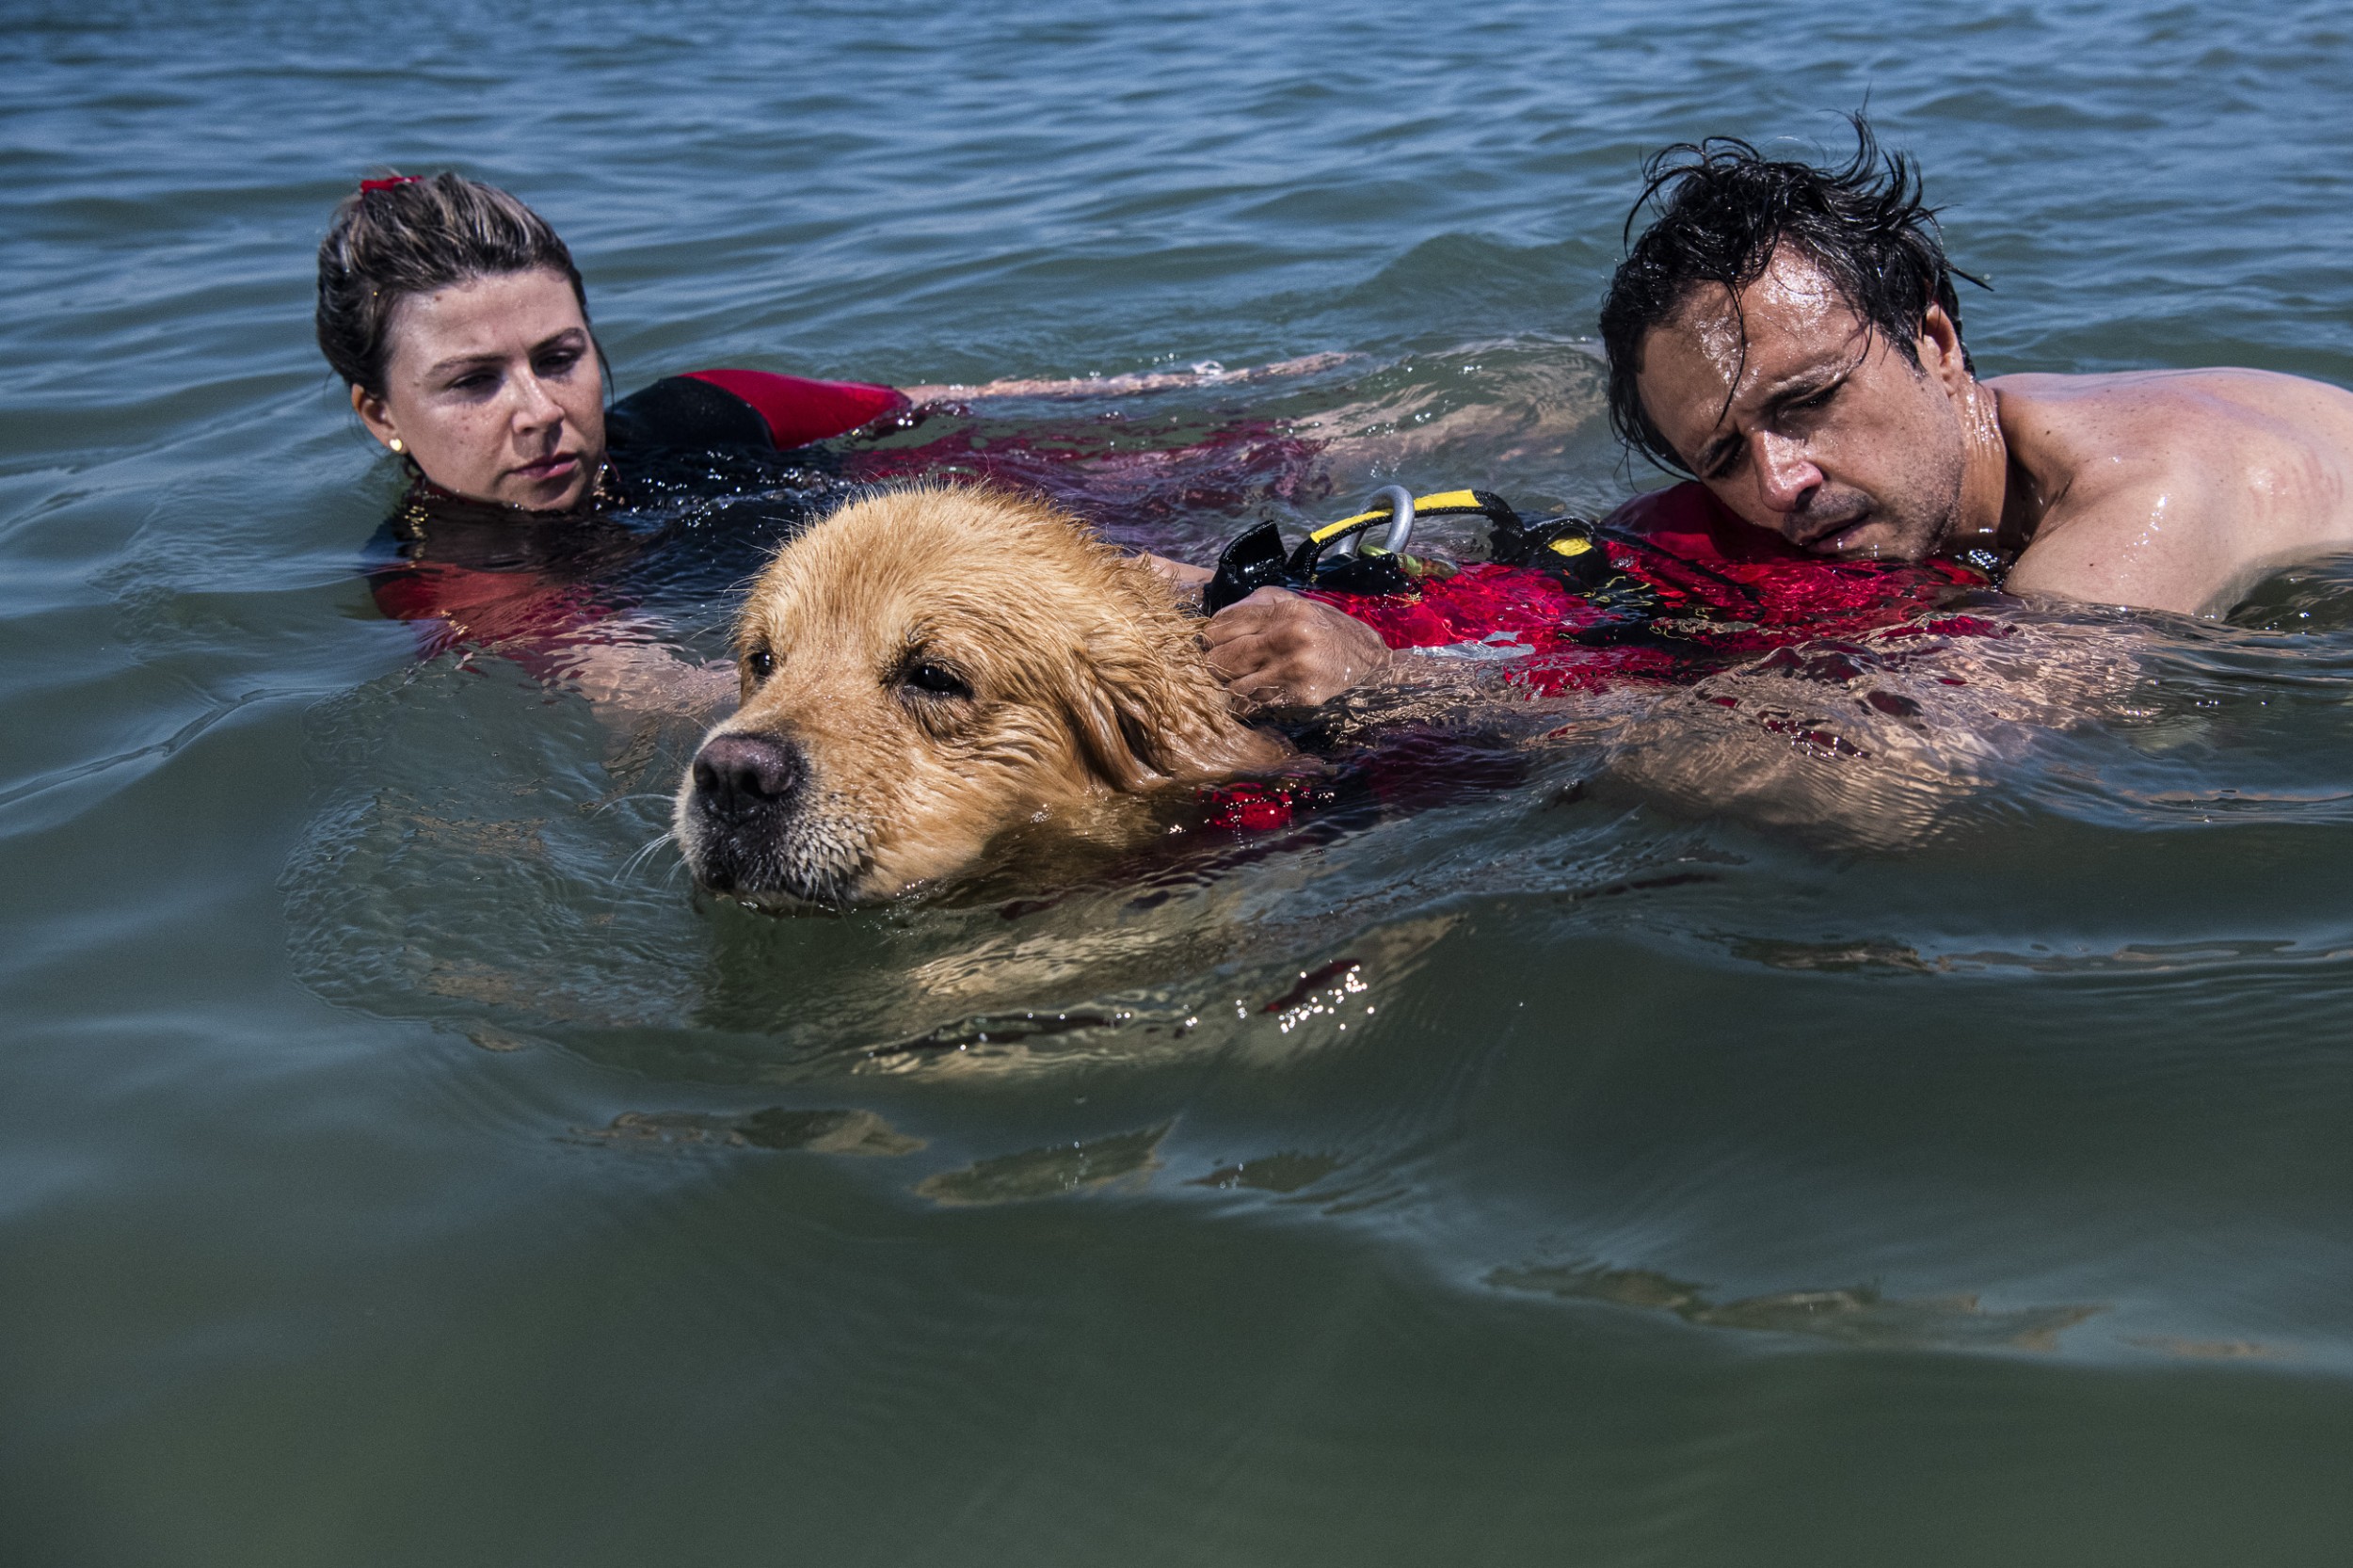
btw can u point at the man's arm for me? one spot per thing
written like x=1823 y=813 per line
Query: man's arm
x=1206 y=374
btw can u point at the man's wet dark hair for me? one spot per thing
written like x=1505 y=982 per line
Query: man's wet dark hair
x=1724 y=209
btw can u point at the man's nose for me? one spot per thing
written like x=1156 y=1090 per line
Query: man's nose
x=1785 y=474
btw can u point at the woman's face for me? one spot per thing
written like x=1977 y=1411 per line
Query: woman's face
x=492 y=386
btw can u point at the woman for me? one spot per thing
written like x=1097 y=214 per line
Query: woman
x=457 y=317
x=458 y=321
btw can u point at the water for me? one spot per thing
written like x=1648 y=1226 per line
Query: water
x=394 y=1172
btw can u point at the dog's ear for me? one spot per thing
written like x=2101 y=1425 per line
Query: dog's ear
x=1142 y=701
x=1116 y=743
x=1142 y=720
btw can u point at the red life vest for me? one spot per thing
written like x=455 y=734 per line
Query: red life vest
x=1691 y=588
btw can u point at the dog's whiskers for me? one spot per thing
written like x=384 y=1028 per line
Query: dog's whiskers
x=600 y=807
x=631 y=865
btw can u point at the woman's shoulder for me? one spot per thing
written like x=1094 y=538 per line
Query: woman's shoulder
x=756 y=408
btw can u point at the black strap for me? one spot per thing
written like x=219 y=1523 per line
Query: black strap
x=1254 y=561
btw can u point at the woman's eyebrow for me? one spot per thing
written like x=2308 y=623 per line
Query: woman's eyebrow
x=458 y=360
x=493 y=357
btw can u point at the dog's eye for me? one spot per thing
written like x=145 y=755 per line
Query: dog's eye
x=761 y=663
x=936 y=679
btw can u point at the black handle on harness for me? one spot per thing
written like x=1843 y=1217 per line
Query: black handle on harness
x=1257 y=559
x=1254 y=561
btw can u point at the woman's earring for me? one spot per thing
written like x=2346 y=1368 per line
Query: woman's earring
x=394 y=444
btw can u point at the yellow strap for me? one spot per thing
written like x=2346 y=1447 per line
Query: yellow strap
x=1332 y=530
x=1445 y=500
x=1449 y=501
x=1571 y=546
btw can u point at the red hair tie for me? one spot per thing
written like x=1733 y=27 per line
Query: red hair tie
x=367 y=185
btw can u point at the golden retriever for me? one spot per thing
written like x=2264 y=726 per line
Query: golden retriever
x=925 y=669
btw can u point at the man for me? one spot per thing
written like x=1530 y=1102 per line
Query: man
x=1790 y=336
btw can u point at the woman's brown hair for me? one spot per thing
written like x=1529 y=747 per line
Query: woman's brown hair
x=404 y=236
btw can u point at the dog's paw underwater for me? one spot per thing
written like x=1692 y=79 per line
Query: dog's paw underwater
x=927 y=668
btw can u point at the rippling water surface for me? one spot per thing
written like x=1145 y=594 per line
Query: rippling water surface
x=399 y=1168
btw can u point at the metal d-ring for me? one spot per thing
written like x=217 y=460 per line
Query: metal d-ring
x=1400 y=501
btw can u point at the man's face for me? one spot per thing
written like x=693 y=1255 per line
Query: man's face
x=1832 y=438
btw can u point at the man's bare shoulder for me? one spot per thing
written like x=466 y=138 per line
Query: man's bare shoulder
x=2144 y=415
x=2169 y=489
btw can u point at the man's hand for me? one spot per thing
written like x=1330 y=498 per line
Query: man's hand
x=1279 y=650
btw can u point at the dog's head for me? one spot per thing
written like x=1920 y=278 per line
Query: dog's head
x=927 y=667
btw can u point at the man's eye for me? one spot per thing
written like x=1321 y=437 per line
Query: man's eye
x=1817 y=400
x=935 y=679
x=558 y=362
x=475 y=381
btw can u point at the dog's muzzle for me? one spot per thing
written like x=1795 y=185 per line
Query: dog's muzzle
x=744 y=792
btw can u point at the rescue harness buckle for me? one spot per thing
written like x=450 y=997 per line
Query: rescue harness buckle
x=1335 y=557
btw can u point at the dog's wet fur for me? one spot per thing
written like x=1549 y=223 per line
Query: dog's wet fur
x=928 y=667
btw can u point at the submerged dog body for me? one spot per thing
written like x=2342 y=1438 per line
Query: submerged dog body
x=924 y=670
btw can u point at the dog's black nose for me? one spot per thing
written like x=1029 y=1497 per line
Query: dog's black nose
x=739 y=776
